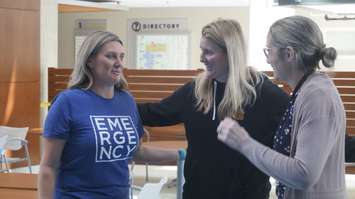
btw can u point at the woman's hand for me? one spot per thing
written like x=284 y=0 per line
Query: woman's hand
x=231 y=133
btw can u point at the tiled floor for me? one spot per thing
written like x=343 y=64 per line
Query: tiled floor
x=157 y=172
x=169 y=192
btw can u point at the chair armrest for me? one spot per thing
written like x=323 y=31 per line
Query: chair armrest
x=349 y=164
x=147 y=133
x=15 y=143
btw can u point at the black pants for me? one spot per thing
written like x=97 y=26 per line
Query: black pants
x=349 y=148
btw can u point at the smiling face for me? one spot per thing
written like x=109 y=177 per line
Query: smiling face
x=274 y=58
x=215 y=60
x=107 y=65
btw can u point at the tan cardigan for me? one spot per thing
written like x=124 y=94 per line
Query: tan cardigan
x=315 y=169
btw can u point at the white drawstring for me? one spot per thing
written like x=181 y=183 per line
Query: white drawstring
x=214 y=99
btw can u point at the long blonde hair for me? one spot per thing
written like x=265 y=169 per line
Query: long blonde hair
x=81 y=76
x=242 y=80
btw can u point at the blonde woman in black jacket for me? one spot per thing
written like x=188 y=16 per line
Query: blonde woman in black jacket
x=228 y=88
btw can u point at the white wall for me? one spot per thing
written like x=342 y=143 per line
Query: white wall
x=344 y=62
x=117 y=23
x=254 y=20
x=49 y=47
x=262 y=15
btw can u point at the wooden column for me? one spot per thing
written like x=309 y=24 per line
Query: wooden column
x=20 y=67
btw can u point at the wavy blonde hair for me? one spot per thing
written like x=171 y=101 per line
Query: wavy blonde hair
x=82 y=76
x=242 y=80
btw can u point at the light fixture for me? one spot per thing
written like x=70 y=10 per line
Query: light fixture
x=343 y=17
x=102 y=4
x=102 y=0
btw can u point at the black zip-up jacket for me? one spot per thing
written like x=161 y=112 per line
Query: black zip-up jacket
x=212 y=170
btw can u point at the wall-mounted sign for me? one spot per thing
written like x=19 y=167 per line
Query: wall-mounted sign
x=156 y=25
x=158 y=43
x=85 y=27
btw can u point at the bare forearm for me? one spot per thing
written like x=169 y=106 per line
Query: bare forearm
x=46 y=182
x=157 y=155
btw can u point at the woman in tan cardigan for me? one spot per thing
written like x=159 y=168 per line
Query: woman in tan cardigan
x=307 y=158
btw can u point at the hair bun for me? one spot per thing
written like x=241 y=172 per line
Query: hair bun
x=323 y=50
x=328 y=56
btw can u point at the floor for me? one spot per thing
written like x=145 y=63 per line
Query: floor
x=156 y=173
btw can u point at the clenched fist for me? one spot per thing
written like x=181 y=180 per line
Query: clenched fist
x=231 y=133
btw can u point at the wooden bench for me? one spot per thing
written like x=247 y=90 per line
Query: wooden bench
x=18 y=186
x=153 y=85
x=145 y=86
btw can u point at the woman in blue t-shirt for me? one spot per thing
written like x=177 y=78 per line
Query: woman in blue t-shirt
x=93 y=128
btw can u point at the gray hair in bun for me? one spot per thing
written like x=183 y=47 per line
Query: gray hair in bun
x=303 y=35
x=328 y=56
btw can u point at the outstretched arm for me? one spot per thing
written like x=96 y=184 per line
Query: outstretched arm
x=168 y=111
x=157 y=156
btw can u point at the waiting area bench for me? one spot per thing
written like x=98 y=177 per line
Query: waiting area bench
x=145 y=86
x=153 y=85
x=18 y=186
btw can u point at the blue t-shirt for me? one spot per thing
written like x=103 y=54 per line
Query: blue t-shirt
x=101 y=136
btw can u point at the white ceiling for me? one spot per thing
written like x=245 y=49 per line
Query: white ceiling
x=172 y=3
x=126 y=4
x=336 y=8
x=183 y=3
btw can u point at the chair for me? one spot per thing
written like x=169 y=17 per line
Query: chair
x=180 y=180
x=3 y=140
x=152 y=190
x=180 y=147
x=14 y=141
x=155 y=188
x=166 y=144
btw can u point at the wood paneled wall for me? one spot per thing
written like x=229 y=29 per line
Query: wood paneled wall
x=21 y=4
x=20 y=66
x=18 y=186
